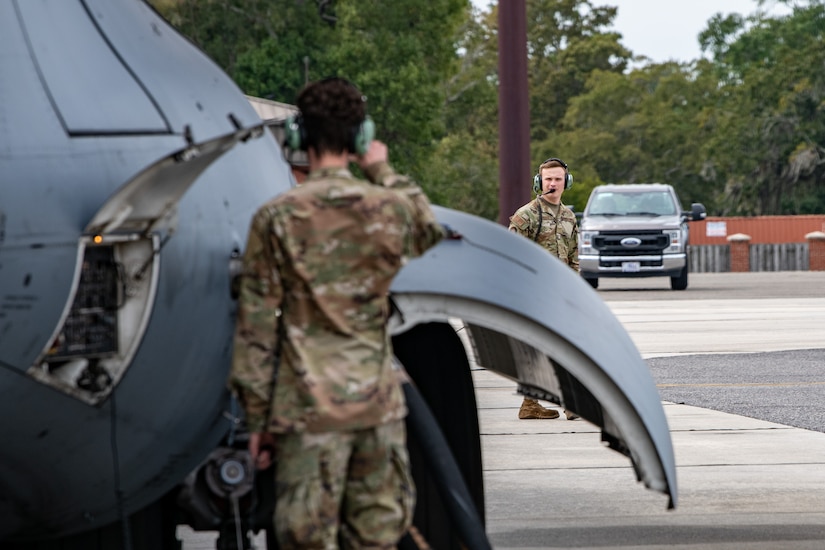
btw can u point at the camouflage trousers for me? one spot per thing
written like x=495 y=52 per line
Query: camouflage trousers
x=343 y=489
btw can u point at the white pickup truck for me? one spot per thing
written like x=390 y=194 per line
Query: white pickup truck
x=636 y=230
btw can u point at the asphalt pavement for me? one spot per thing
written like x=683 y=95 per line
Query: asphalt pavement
x=785 y=387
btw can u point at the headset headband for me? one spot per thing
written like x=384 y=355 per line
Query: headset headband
x=563 y=164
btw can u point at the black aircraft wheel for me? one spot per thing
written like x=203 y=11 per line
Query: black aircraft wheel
x=437 y=362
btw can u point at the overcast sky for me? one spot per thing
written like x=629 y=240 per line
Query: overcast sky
x=668 y=29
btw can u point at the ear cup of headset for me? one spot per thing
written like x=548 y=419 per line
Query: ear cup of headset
x=294 y=133
x=568 y=183
x=364 y=134
x=537 y=184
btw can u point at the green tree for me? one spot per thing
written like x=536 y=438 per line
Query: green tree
x=463 y=173
x=224 y=29
x=744 y=133
x=399 y=54
x=280 y=64
x=567 y=40
x=636 y=127
x=769 y=135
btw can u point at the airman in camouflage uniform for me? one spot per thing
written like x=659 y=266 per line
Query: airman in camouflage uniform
x=318 y=264
x=551 y=224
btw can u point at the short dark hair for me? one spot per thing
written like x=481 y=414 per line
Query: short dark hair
x=552 y=163
x=331 y=110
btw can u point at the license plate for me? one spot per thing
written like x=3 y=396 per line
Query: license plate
x=630 y=267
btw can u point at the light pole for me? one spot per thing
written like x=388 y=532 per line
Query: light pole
x=513 y=109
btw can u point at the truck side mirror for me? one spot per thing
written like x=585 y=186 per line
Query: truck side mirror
x=697 y=211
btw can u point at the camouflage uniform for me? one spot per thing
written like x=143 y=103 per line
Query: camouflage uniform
x=325 y=253
x=559 y=232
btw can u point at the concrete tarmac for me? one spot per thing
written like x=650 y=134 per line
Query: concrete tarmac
x=744 y=480
x=739 y=360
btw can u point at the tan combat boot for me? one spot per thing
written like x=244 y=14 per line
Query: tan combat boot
x=530 y=409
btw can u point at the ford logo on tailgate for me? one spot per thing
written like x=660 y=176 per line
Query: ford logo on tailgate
x=631 y=242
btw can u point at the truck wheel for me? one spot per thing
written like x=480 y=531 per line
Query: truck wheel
x=680 y=282
x=594 y=282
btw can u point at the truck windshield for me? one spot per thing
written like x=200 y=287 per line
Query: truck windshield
x=646 y=203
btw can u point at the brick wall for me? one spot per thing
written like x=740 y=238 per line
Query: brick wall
x=816 y=250
x=761 y=229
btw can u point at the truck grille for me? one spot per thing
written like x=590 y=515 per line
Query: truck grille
x=609 y=243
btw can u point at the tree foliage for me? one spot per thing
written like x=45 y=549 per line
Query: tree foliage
x=741 y=129
x=741 y=132
x=567 y=40
x=643 y=126
x=225 y=29
x=399 y=53
x=463 y=173
x=768 y=147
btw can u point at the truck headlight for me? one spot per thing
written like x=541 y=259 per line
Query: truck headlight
x=676 y=243
x=586 y=242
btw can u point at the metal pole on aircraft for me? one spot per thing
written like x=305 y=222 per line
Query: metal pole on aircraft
x=513 y=109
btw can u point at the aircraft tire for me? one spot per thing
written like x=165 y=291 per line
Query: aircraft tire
x=435 y=359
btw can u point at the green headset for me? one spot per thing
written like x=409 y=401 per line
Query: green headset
x=568 y=178
x=362 y=135
x=295 y=136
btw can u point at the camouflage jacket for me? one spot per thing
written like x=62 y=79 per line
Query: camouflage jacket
x=559 y=236
x=325 y=254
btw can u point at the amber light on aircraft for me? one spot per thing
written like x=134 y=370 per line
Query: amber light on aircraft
x=97 y=239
